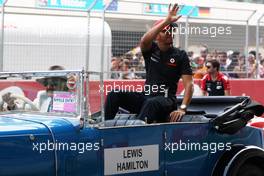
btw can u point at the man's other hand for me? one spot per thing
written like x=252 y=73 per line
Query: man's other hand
x=176 y=116
x=11 y=105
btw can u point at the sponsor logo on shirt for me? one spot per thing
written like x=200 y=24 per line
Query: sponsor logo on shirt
x=218 y=87
x=172 y=62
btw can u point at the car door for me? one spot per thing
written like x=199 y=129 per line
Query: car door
x=186 y=148
x=134 y=150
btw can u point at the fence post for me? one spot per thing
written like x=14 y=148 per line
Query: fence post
x=88 y=34
x=246 y=41
x=186 y=28
x=2 y=35
x=257 y=45
x=87 y=102
x=102 y=62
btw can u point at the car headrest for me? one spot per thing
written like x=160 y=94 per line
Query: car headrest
x=194 y=118
x=125 y=116
x=117 y=122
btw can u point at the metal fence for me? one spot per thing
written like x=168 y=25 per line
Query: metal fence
x=32 y=48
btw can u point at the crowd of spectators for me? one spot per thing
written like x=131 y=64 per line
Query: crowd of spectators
x=129 y=66
x=232 y=63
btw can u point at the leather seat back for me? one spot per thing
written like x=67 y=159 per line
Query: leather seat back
x=117 y=122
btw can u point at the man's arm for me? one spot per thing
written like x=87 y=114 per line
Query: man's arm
x=226 y=85
x=150 y=36
x=203 y=85
x=188 y=86
x=227 y=92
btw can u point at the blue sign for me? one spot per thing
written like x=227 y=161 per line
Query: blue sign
x=162 y=9
x=79 y=4
x=186 y=10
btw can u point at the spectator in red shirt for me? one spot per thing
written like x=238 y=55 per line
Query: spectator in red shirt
x=215 y=83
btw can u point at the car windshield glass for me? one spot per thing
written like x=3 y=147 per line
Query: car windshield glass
x=53 y=92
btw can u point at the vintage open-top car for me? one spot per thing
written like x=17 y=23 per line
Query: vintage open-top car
x=47 y=128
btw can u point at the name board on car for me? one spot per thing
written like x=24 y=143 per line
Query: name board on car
x=131 y=159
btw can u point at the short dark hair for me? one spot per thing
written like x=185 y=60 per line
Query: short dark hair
x=56 y=67
x=253 y=52
x=215 y=63
x=222 y=53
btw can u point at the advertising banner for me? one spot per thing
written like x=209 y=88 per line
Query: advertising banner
x=162 y=9
x=78 y=4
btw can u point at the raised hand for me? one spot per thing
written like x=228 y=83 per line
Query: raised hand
x=172 y=14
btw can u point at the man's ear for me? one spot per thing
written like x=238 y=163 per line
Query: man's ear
x=158 y=37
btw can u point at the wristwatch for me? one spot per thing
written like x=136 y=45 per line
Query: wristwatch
x=183 y=107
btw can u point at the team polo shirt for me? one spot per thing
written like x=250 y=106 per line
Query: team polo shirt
x=166 y=68
x=217 y=87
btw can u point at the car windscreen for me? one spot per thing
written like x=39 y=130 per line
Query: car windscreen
x=42 y=92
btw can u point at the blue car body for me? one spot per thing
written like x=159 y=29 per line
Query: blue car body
x=19 y=135
x=35 y=144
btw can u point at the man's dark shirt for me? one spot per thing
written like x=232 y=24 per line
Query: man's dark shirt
x=166 y=68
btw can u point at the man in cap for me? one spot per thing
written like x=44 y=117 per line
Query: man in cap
x=43 y=100
x=165 y=65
